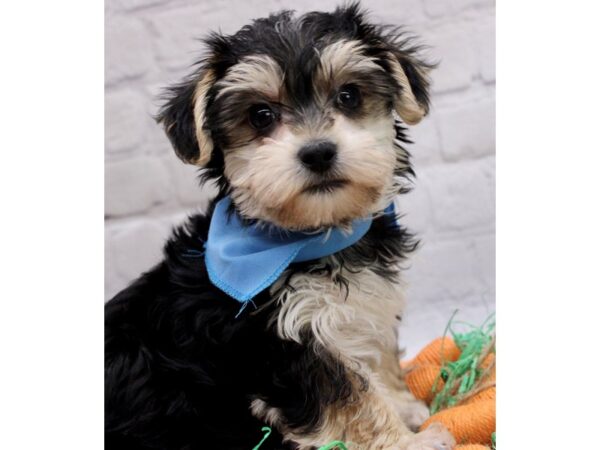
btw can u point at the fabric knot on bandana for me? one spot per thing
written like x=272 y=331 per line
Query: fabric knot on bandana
x=244 y=260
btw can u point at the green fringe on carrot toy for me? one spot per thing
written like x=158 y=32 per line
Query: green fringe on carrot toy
x=456 y=377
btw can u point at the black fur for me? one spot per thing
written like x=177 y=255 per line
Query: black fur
x=178 y=119
x=181 y=369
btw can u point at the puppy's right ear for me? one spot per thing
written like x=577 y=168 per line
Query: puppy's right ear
x=183 y=117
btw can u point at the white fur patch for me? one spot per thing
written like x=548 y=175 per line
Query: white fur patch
x=356 y=324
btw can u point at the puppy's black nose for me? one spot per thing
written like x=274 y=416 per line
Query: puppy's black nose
x=318 y=156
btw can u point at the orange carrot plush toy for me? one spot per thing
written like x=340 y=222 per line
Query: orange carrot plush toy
x=457 y=379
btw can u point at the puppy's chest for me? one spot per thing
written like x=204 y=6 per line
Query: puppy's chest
x=352 y=313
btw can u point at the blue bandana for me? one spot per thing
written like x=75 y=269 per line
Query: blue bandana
x=244 y=260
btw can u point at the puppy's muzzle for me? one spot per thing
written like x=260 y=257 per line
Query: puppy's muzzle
x=318 y=156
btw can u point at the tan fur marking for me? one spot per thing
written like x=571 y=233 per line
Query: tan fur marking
x=412 y=411
x=205 y=142
x=338 y=62
x=272 y=416
x=370 y=422
x=259 y=73
x=406 y=105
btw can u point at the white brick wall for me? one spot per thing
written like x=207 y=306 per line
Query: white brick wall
x=150 y=44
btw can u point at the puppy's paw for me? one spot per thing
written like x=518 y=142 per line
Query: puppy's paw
x=434 y=437
x=413 y=413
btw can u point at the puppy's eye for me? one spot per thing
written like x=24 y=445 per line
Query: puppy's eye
x=261 y=116
x=349 y=97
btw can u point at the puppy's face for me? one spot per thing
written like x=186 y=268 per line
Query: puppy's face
x=296 y=117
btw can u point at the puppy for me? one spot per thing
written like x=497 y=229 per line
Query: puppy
x=299 y=120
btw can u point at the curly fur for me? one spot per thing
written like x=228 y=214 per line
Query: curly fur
x=182 y=372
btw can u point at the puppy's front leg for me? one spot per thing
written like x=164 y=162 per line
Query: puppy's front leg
x=369 y=421
x=412 y=411
x=374 y=423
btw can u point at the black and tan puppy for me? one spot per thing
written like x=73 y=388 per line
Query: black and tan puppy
x=300 y=122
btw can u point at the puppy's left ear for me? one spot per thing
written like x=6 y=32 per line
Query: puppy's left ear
x=183 y=117
x=411 y=75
